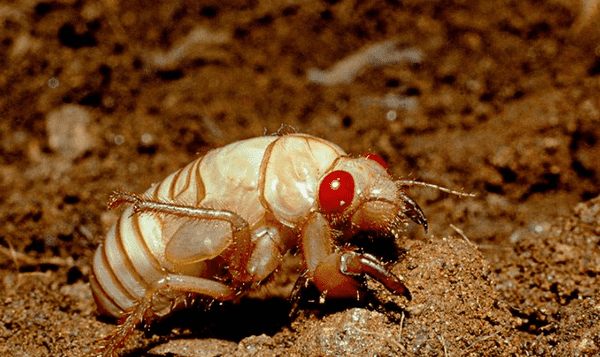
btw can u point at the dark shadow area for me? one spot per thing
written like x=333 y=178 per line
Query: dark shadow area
x=226 y=320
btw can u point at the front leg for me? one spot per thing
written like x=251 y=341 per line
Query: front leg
x=334 y=272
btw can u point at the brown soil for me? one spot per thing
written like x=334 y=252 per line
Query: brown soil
x=507 y=107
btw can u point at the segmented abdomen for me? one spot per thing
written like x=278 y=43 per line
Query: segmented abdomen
x=131 y=257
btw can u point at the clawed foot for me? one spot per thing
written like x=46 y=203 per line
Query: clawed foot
x=355 y=264
x=336 y=277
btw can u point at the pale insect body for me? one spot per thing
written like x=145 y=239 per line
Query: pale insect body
x=221 y=225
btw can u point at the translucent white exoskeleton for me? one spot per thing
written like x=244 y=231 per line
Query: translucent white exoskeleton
x=222 y=224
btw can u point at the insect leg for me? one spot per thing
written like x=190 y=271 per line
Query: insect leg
x=241 y=246
x=335 y=273
x=171 y=282
x=316 y=239
x=352 y=263
x=301 y=284
x=322 y=263
x=141 y=204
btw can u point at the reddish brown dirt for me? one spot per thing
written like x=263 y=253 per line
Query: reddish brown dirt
x=507 y=107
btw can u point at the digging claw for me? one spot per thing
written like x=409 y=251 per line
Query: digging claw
x=352 y=263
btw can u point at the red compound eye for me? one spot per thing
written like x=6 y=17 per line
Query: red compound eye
x=336 y=192
x=378 y=159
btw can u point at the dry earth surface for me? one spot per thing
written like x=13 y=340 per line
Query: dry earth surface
x=497 y=97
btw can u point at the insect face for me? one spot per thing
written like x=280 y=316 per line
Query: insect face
x=361 y=192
